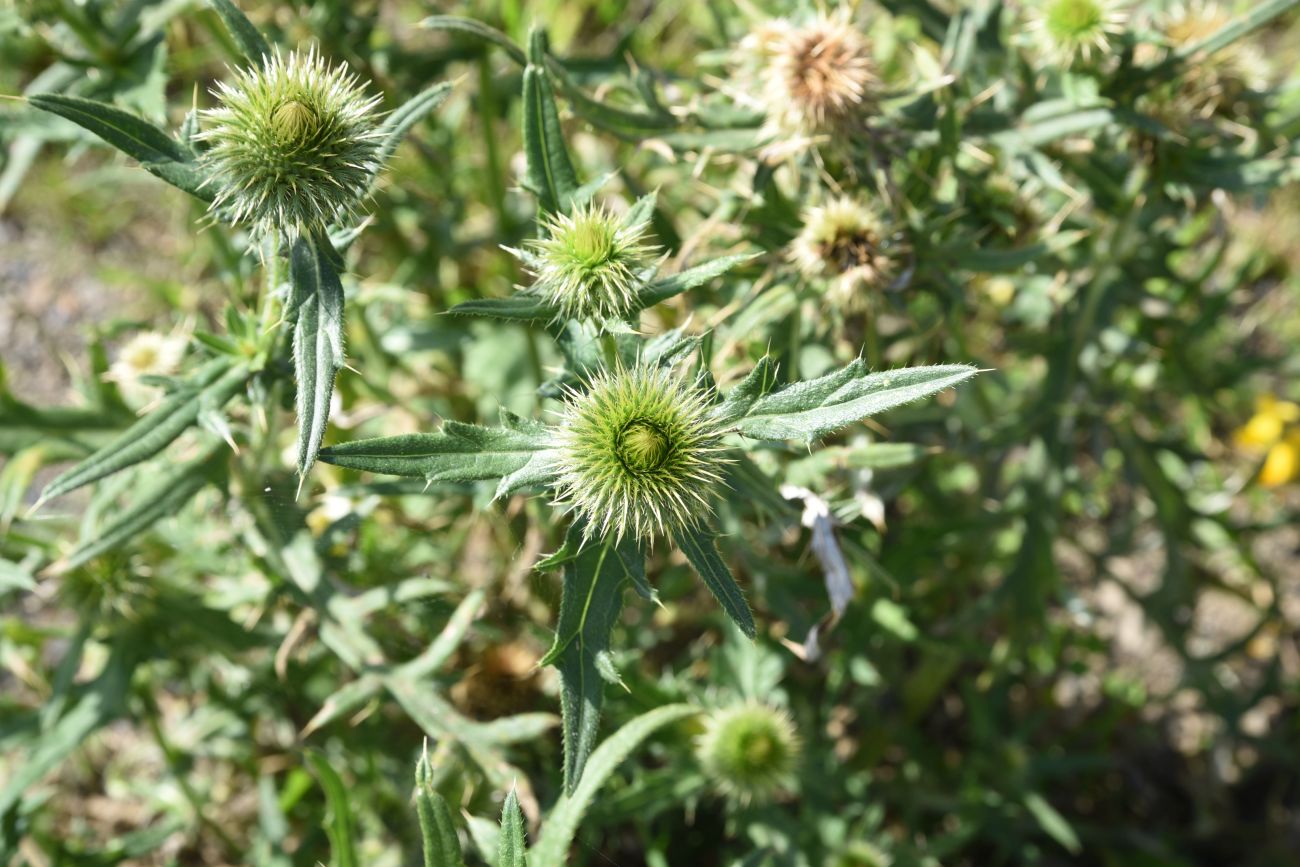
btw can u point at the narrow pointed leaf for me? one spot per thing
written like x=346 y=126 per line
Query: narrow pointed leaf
x=550 y=176
x=675 y=284
x=511 y=847
x=479 y=30
x=338 y=819
x=562 y=825
x=251 y=43
x=806 y=411
x=457 y=453
x=136 y=137
x=437 y=830
x=404 y=118
x=214 y=384
x=317 y=341
x=742 y=397
x=520 y=306
x=161 y=497
x=702 y=552
x=592 y=598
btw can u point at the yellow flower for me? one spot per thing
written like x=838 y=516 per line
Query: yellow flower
x=1268 y=425
x=1282 y=464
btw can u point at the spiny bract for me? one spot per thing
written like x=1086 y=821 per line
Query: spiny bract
x=638 y=452
x=589 y=264
x=293 y=146
x=749 y=752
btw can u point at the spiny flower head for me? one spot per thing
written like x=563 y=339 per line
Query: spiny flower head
x=1069 y=29
x=749 y=752
x=817 y=77
x=293 y=145
x=847 y=242
x=638 y=452
x=590 y=263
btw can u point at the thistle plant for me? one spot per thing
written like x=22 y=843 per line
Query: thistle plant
x=847 y=244
x=292 y=146
x=1067 y=30
x=749 y=752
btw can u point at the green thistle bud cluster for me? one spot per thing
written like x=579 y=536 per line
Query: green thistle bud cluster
x=1071 y=29
x=293 y=145
x=590 y=264
x=749 y=752
x=638 y=453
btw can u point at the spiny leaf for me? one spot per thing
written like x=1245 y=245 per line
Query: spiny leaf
x=528 y=308
x=317 y=340
x=457 y=453
x=594 y=581
x=806 y=411
x=162 y=496
x=511 y=848
x=437 y=830
x=551 y=176
x=214 y=384
x=700 y=549
x=757 y=383
x=561 y=827
x=156 y=151
x=251 y=43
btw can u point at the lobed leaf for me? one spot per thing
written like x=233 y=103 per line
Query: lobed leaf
x=806 y=411
x=215 y=383
x=559 y=831
x=317 y=340
x=702 y=552
x=742 y=397
x=592 y=597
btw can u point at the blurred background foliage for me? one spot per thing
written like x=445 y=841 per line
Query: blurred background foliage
x=1073 y=631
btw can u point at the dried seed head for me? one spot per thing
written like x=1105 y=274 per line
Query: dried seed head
x=846 y=242
x=638 y=453
x=816 y=78
x=749 y=752
x=1071 y=29
x=292 y=146
x=589 y=264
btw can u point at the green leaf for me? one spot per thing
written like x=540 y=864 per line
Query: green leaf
x=592 y=598
x=701 y=550
x=215 y=383
x=743 y=396
x=251 y=43
x=437 y=830
x=403 y=118
x=160 y=497
x=156 y=151
x=317 y=340
x=561 y=827
x=338 y=820
x=520 y=306
x=478 y=30
x=457 y=453
x=511 y=848
x=1053 y=823
x=666 y=287
x=1237 y=28
x=806 y=411
x=550 y=173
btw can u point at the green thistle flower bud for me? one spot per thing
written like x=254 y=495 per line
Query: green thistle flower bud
x=638 y=453
x=1068 y=29
x=590 y=264
x=846 y=242
x=749 y=752
x=293 y=145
